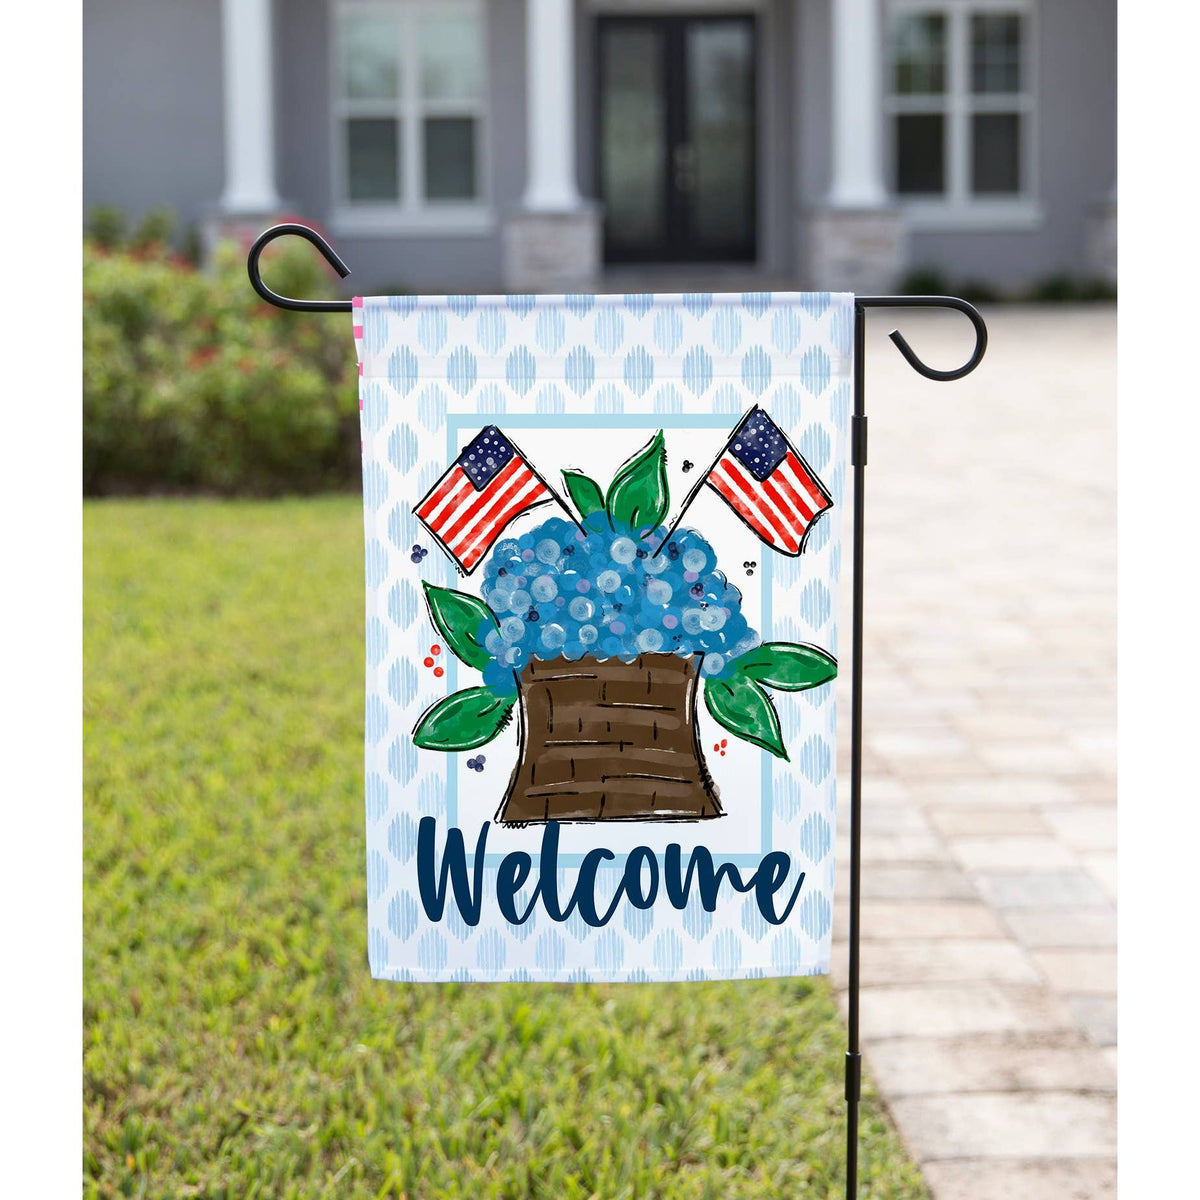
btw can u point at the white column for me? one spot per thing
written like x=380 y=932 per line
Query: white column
x=550 y=101
x=857 y=177
x=249 y=116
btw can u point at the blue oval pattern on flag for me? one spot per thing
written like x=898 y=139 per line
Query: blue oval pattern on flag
x=402 y=916
x=639 y=370
x=668 y=330
x=697 y=370
x=520 y=370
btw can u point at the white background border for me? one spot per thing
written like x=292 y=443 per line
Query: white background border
x=1160 y=428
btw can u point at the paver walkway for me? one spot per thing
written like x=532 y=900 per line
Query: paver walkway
x=989 y=922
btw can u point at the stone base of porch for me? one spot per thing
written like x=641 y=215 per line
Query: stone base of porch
x=1100 y=249
x=854 y=250
x=552 y=252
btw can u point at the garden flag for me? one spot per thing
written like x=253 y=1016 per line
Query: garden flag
x=600 y=714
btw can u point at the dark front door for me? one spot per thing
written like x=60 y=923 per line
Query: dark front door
x=677 y=138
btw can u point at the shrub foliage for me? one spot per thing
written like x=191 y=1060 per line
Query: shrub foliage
x=191 y=382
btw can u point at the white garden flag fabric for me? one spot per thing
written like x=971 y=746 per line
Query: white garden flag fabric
x=602 y=555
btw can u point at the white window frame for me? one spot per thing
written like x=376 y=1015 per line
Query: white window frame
x=957 y=207
x=411 y=212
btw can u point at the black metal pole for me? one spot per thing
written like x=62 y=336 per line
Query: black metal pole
x=858 y=461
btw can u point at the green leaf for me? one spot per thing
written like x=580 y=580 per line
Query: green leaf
x=464 y=720
x=742 y=707
x=458 y=617
x=638 y=494
x=585 y=492
x=788 y=666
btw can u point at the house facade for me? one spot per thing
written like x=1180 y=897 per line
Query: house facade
x=454 y=145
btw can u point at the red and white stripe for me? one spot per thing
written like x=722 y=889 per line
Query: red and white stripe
x=466 y=521
x=779 y=508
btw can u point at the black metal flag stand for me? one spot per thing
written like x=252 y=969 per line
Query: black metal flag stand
x=858 y=460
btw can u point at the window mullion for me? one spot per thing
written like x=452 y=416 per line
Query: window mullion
x=959 y=116
x=410 y=117
x=1027 y=80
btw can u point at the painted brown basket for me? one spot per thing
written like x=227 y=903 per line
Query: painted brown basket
x=609 y=741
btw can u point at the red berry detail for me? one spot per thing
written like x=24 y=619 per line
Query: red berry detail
x=435 y=650
x=429 y=662
x=438 y=672
x=724 y=743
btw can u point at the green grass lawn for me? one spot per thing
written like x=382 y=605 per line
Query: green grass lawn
x=235 y=1045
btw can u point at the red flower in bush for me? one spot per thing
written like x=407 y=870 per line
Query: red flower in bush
x=202 y=355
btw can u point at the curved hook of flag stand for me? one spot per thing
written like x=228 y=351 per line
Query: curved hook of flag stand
x=858 y=460
x=331 y=256
x=952 y=302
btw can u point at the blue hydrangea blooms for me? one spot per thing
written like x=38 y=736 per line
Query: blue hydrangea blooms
x=562 y=592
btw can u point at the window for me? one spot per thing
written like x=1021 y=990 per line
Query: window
x=410 y=79
x=960 y=103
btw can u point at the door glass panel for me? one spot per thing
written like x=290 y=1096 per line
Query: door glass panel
x=716 y=168
x=632 y=134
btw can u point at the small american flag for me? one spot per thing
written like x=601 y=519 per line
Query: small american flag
x=766 y=482
x=488 y=485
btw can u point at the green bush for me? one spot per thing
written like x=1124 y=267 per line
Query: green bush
x=975 y=291
x=924 y=281
x=105 y=226
x=1055 y=289
x=154 y=229
x=191 y=382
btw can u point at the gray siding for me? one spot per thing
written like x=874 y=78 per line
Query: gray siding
x=302 y=107
x=304 y=137
x=812 y=93
x=776 y=139
x=152 y=134
x=1076 y=143
x=152 y=105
